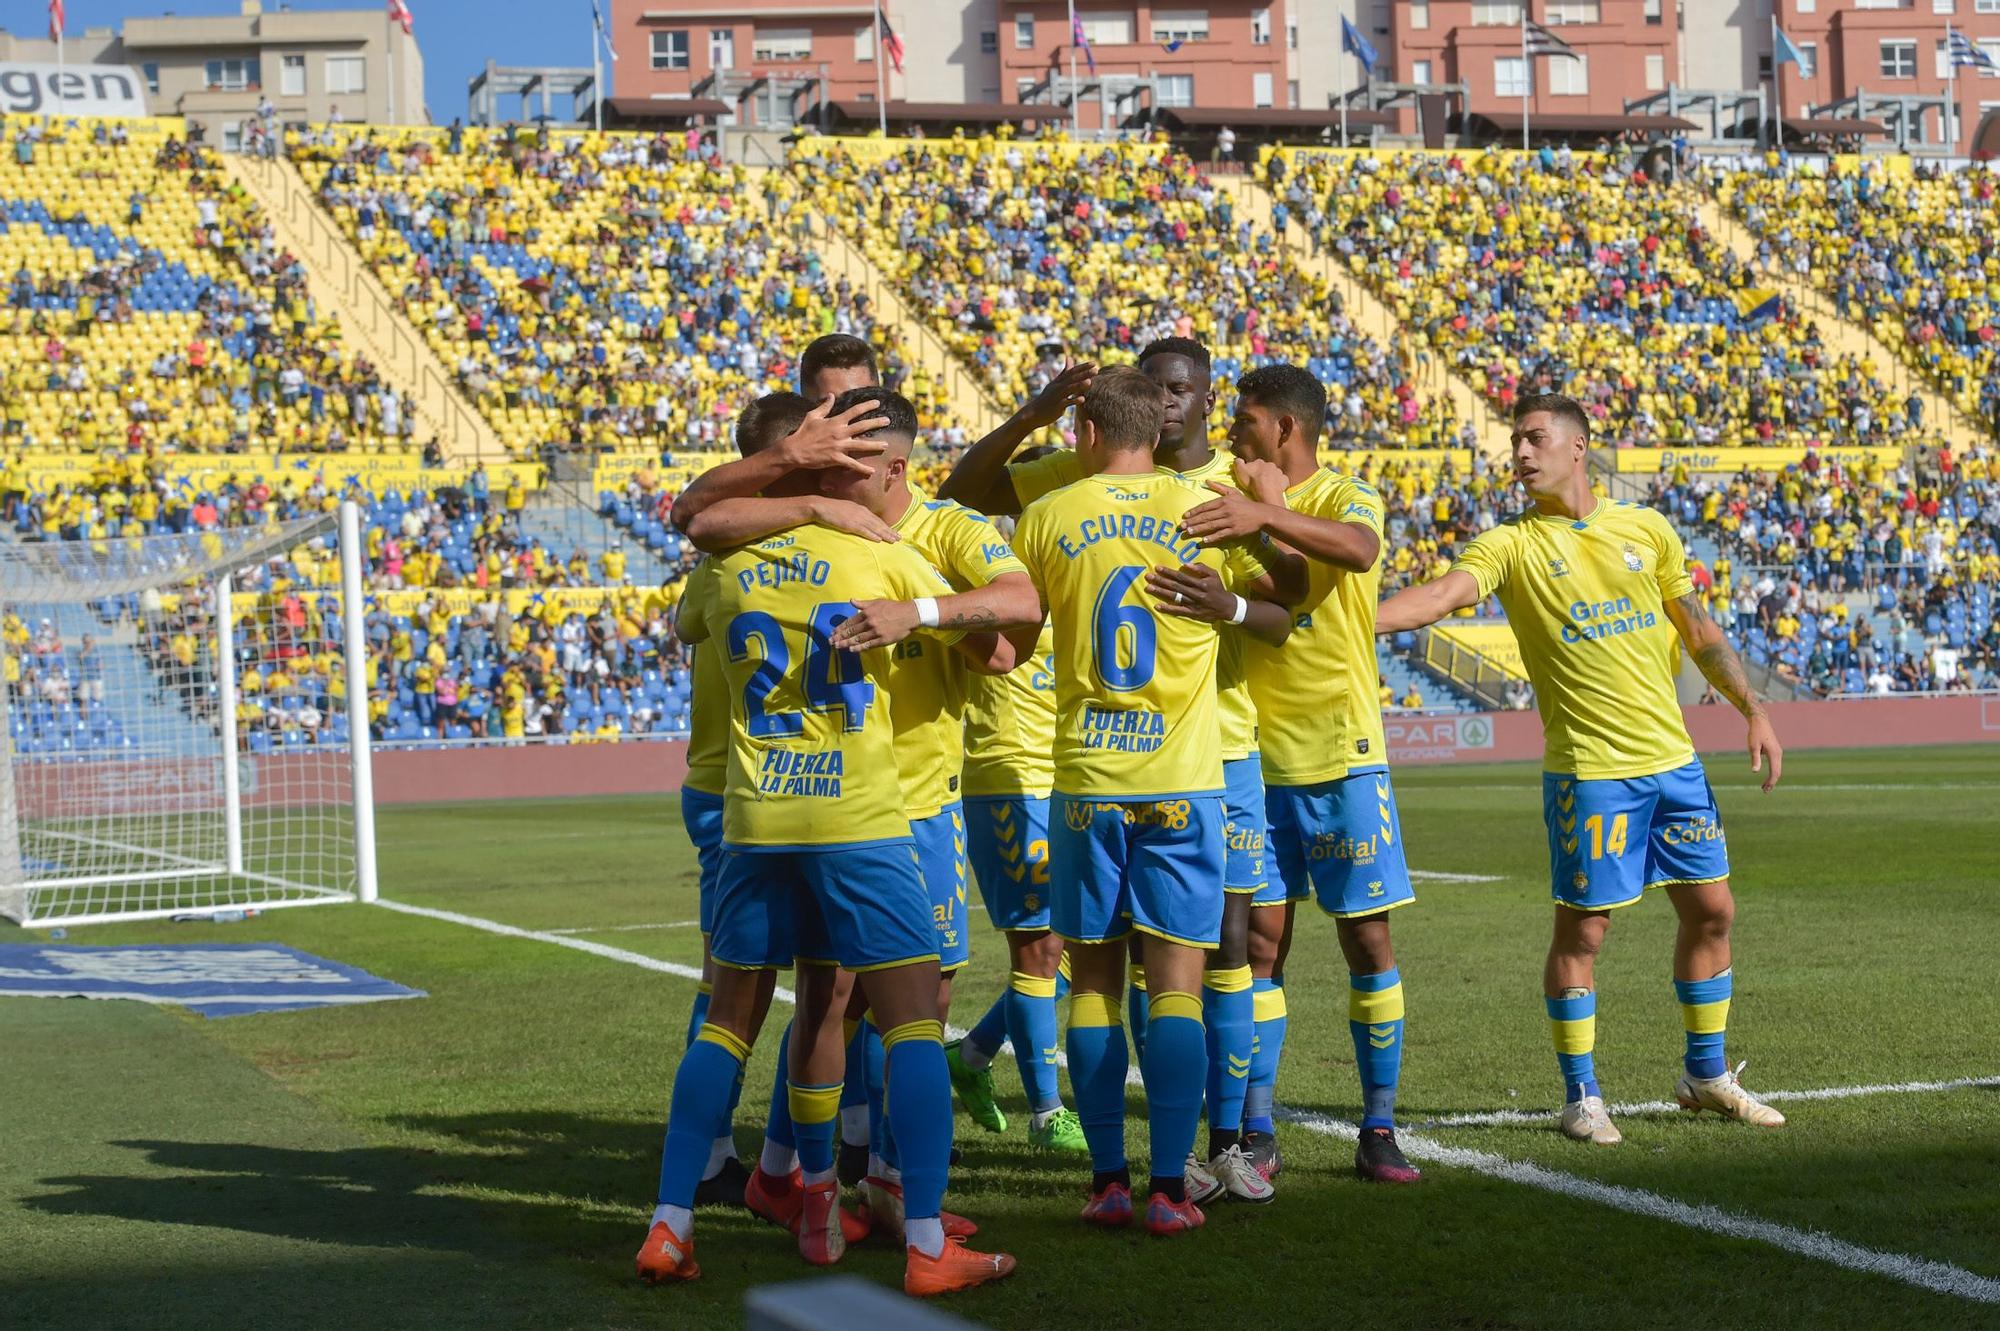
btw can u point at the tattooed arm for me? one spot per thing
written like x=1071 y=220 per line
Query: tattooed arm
x=985 y=614
x=1723 y=669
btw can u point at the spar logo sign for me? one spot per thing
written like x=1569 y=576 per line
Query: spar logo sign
x=1438 y=738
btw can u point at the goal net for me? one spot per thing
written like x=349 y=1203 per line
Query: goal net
x=186 y=724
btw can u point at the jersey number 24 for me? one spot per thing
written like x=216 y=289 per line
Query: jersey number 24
x=834 y=680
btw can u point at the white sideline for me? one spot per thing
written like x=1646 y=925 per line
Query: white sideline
x=1938 y=1277
x=1495 y=1118
x=626 y=928
x=1438 y=876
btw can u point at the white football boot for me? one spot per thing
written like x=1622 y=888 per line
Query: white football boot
x=1726 y=1096
x=1586 y=1120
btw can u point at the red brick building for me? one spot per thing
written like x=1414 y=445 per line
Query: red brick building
x=1628 y=47
x=1885 y=47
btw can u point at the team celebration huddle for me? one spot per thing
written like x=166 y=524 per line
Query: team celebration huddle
x=1129 y=690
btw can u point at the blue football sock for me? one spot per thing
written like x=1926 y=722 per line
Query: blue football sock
x=815 y=1116
x=1227 y=1010
x=1098 y=1061
x=1135 y=1010
x=699 y=1012
x=778 y=1119
x=1267 y=1003
x=1573 y=1021
x=701 y=1093
x=1175 y=1067
x=1375 y=1019
x=987 y=1035
x=1030 y=1003
x=1705 y=1016
x=918 y=1087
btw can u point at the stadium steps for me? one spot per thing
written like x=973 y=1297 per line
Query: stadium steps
x=1430 y=374
x=921 y=346
x=341 y=282
x=1846 y=337
x=563 y=520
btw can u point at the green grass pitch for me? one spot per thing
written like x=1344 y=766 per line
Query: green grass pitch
x=486 y=1156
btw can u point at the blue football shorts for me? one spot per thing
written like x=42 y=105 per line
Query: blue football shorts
x=1243 y=825
x=701 y=814
x=1151 y=865
x=1341 y=841
x=1611 y=839
x=1008 y=836
x=941 y=858
x=864 y=907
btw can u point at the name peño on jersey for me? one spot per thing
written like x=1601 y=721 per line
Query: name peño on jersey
x=1136 y=711
x=928 y=681
x=1586 y=600
x=1318 y=710
x=708 y=708
x=812 y=748
x=1010 y=726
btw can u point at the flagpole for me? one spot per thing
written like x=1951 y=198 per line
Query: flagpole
x=388 y=60
x=1777 y=80
x=1950 y=92
x=881 y=80
x=597 y=75
x=1340 y=90
x=1075 y=102
x=1527 y=76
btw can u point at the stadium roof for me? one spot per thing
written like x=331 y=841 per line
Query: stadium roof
x=1587 y=124
x=949 y=113
x=665 y=108
x=1270 y=117
x=1834 y=126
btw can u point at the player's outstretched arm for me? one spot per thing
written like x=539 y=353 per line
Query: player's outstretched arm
x=980 y=479
x=1723 y=669
x=822 y=441
x=1234 y=514
x=1415 y=607
x=1195 y=591
x=1007 y=602
x=736 y=522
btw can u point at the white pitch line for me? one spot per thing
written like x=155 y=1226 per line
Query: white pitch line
x=1938 y=1277
x=1499 y=1117
x=1438 y=876
x=626 y=928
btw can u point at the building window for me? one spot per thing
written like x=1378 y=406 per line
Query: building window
x=722 y=48
x=291 y=76
x=1420 y=71
x=1656 y=73
x=1808 y=6
x=989 y=41
x=1653 y=12
x=1496 y=13
x=150 y=71
x=1885 y=4
x=1570 y=78
x=1420 y=14
x=232 y=137
x=1291 y=34
x=1292 y=93
x=1944 y=6
x=1024 y=88
x=670 y=49
x=1808 y=59
x=1990 y=45
x=1986 y=6
x=1180 y=25
x=1024 y=32
x=1511 y=77
x=1574 y=11
x=1261 y=84
x=864 y=44
x=1763 y=66
x=346 y=73
x=1942 y=55
x=1260 y=26
x=232 y=75
x=1112 y=27
x=1899 y=59
x=1175 y=90
x=782 y=44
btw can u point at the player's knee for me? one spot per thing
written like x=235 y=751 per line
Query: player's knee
x=1365 y=944
x=1035 y=953
x=1233 y=950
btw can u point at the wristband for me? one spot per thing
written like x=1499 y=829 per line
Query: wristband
x=1242 y=611
x=927 y=611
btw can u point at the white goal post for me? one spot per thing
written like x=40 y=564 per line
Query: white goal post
x=187 y=723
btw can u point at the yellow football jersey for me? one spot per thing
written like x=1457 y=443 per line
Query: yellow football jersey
x=1585 y=601
x=708 y=703
x=1235 y=711
x=1318 y=712
x=1010 y=726
x=812 y=749
x=928 y=681
x=1136 y=711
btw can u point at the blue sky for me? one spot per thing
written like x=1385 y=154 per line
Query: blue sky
x=457 y=37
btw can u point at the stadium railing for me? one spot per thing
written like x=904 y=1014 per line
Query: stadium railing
x=1481 y=676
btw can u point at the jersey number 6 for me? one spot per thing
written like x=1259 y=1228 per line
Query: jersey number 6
x=1125 y=637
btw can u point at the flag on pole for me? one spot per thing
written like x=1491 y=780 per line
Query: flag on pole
x=1353 y=43
x=1965 y=51
x=1538 y=40
x=597 y=17
x=1784 y=53
x=1172 y=46
x=1082 y=43
x=1756 y=304
x=891 y=43
x=399 y=12
x=55 y=20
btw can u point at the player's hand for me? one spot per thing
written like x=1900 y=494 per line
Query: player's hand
x=1263 y=481
x=875 y=624
x=1063 y=392
x=848 y=516
x=826 y=442
x=1192 y=591
x=1765 y=750
x=1230 y=516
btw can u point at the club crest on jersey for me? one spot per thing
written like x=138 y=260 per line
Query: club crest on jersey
x=1632 y=560
x=1558 y=567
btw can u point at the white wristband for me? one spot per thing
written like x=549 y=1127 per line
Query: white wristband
x=1242 y=611
x=927 y=611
